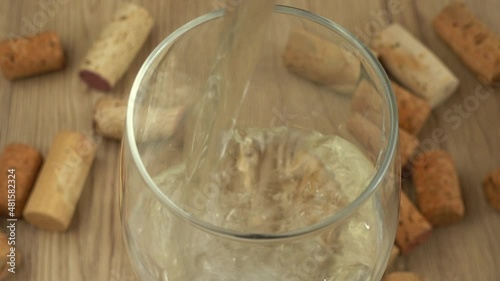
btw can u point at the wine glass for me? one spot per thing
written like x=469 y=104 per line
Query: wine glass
x=306 y=186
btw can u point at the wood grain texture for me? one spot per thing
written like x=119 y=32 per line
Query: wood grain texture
x=34 y=110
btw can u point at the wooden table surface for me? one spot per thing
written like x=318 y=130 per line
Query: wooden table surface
x=34 y=110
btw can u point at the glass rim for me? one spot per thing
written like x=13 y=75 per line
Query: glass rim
x=337 y=217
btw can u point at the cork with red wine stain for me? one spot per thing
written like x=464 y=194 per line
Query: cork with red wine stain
x=117 y=46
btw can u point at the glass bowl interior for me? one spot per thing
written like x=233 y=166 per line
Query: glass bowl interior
x=175 y=75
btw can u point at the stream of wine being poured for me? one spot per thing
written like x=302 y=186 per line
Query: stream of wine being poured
x=238 y=53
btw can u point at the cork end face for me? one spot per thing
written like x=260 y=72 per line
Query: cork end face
x=95 y=81
x=45 y=222
x=416 y=241
x=491 y=186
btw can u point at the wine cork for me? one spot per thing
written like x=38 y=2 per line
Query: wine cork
x=60 y=183
x=491 y=187
x=114 y=50
x=413 y=228
x=156 y=122
x=370 y=137
x=403 y=276
x=414 y=65
x=24 y=57
x=476 y=44
x=321 y=61
x=366 y=133
x=19 y=167
x=408 y=143
x=394 y=256
x=367 y=101
x=413 y=111
x=437 y=186
x=109 y=117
